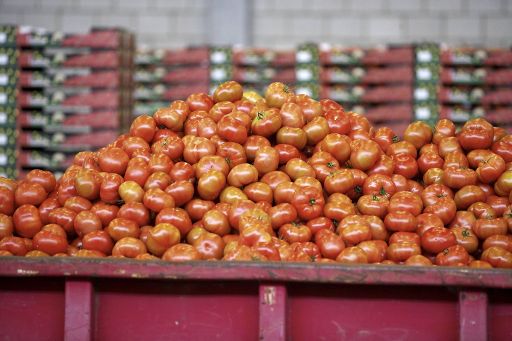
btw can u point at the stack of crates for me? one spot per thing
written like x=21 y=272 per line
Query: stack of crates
x=255 y=68
x=187 y=72
x=427 y=70
x=9 y=80
x=31 y=99
x=148 y=78
x=476 y=83
x=377 y=82
x=90 y=92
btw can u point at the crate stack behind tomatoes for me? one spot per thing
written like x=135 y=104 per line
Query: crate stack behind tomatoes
x=476 y=82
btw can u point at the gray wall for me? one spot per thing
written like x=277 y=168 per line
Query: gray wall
x=279 y=23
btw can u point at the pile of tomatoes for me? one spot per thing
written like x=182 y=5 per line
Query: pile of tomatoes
x=235 y=176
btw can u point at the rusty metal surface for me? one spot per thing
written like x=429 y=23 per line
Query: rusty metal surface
x=268 y=271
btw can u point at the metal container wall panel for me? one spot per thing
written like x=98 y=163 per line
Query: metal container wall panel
x=156 y=310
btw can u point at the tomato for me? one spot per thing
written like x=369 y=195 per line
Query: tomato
x=503 y=148
x=170 y=118
x=266 y=123
x=437 y=239
x=14 y=245
x=232 y=130
x=27 y=221
x=503 y=186
x=447 y=145
x=426 y=221
x=120 y=228
x=211 y=184
x=482 y=210
x=352 y=254
x=291 y=115
x=444 y=209
x=85 y=222
x=405 y=165
x=401 y=252
x=484 y=228
x=172 y=146
x=181 y=191
x=162 y=237
x=6 y=226
x=296 y=168
x=406 y=201
x=503 y=241
x=44 y=178
x=373 y=204
x=228 y=91
x=365 y=155
x=385 y=166
x=242 y=175
x=443 y=128
x=215 y=221
x=181 y=253
x=157 y=180
x=309 y=203
x=98 y=241
x=418 y=260
x=130 y=191
x=480 y=264
x=177 y=217
x=385 y=136
x=418 y=134
x=467 y=196
x=128 y=247
x=220 y=109
x=337 y=145
x=259 y=191
x=50 y=243
x=266 y=160
x=379 y=184
x=465 y=238
x=400 y=221
x=329 y=243
x=455 y=159
x=498 y=257
x=277 y=94
x=63 y=217
x=29 y=193
x=78 y=204
x=293 y=136
x=210 y=246
x=401 y=237
x=377 y=228
x=137 y=171
x=375 y=250
x=476 y=134
x=6 y=201
x=233 y=153
x=136 y=212
x=433 y=176
x=498 y=204
x=340 y=181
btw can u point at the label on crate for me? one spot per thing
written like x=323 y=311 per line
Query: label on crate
x=4 y=59
x=421 y=94
x=424 y=74
x=3 y=37
x=424 y=56
x=4 y=79
x=3 y=139
x=3 y=98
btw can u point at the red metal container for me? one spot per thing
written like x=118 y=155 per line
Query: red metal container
x=90 y=299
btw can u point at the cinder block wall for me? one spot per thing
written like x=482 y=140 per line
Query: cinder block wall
x=281 y=23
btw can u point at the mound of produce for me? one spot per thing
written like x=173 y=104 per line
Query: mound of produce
x=236 y=176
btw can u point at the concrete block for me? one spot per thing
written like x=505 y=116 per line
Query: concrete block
x=487 y=6
x=345 y=26
x=145 y=23
x=444 y=5
x=76 y=23
x=394 y=6
x=464 y=27
x=385 y=27
x=498 y=27
x=367 y=5
x=422 y=27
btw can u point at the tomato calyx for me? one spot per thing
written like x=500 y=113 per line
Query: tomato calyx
x=260 y=115
x=358 y=189
x=375 y=197
x=465 y=233
x=312 y=201
x=348 y=165
x=331 y=164
x=395 y=139
x=445 y=251
x=382 y=192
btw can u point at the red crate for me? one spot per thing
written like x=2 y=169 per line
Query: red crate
x=87 y=299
